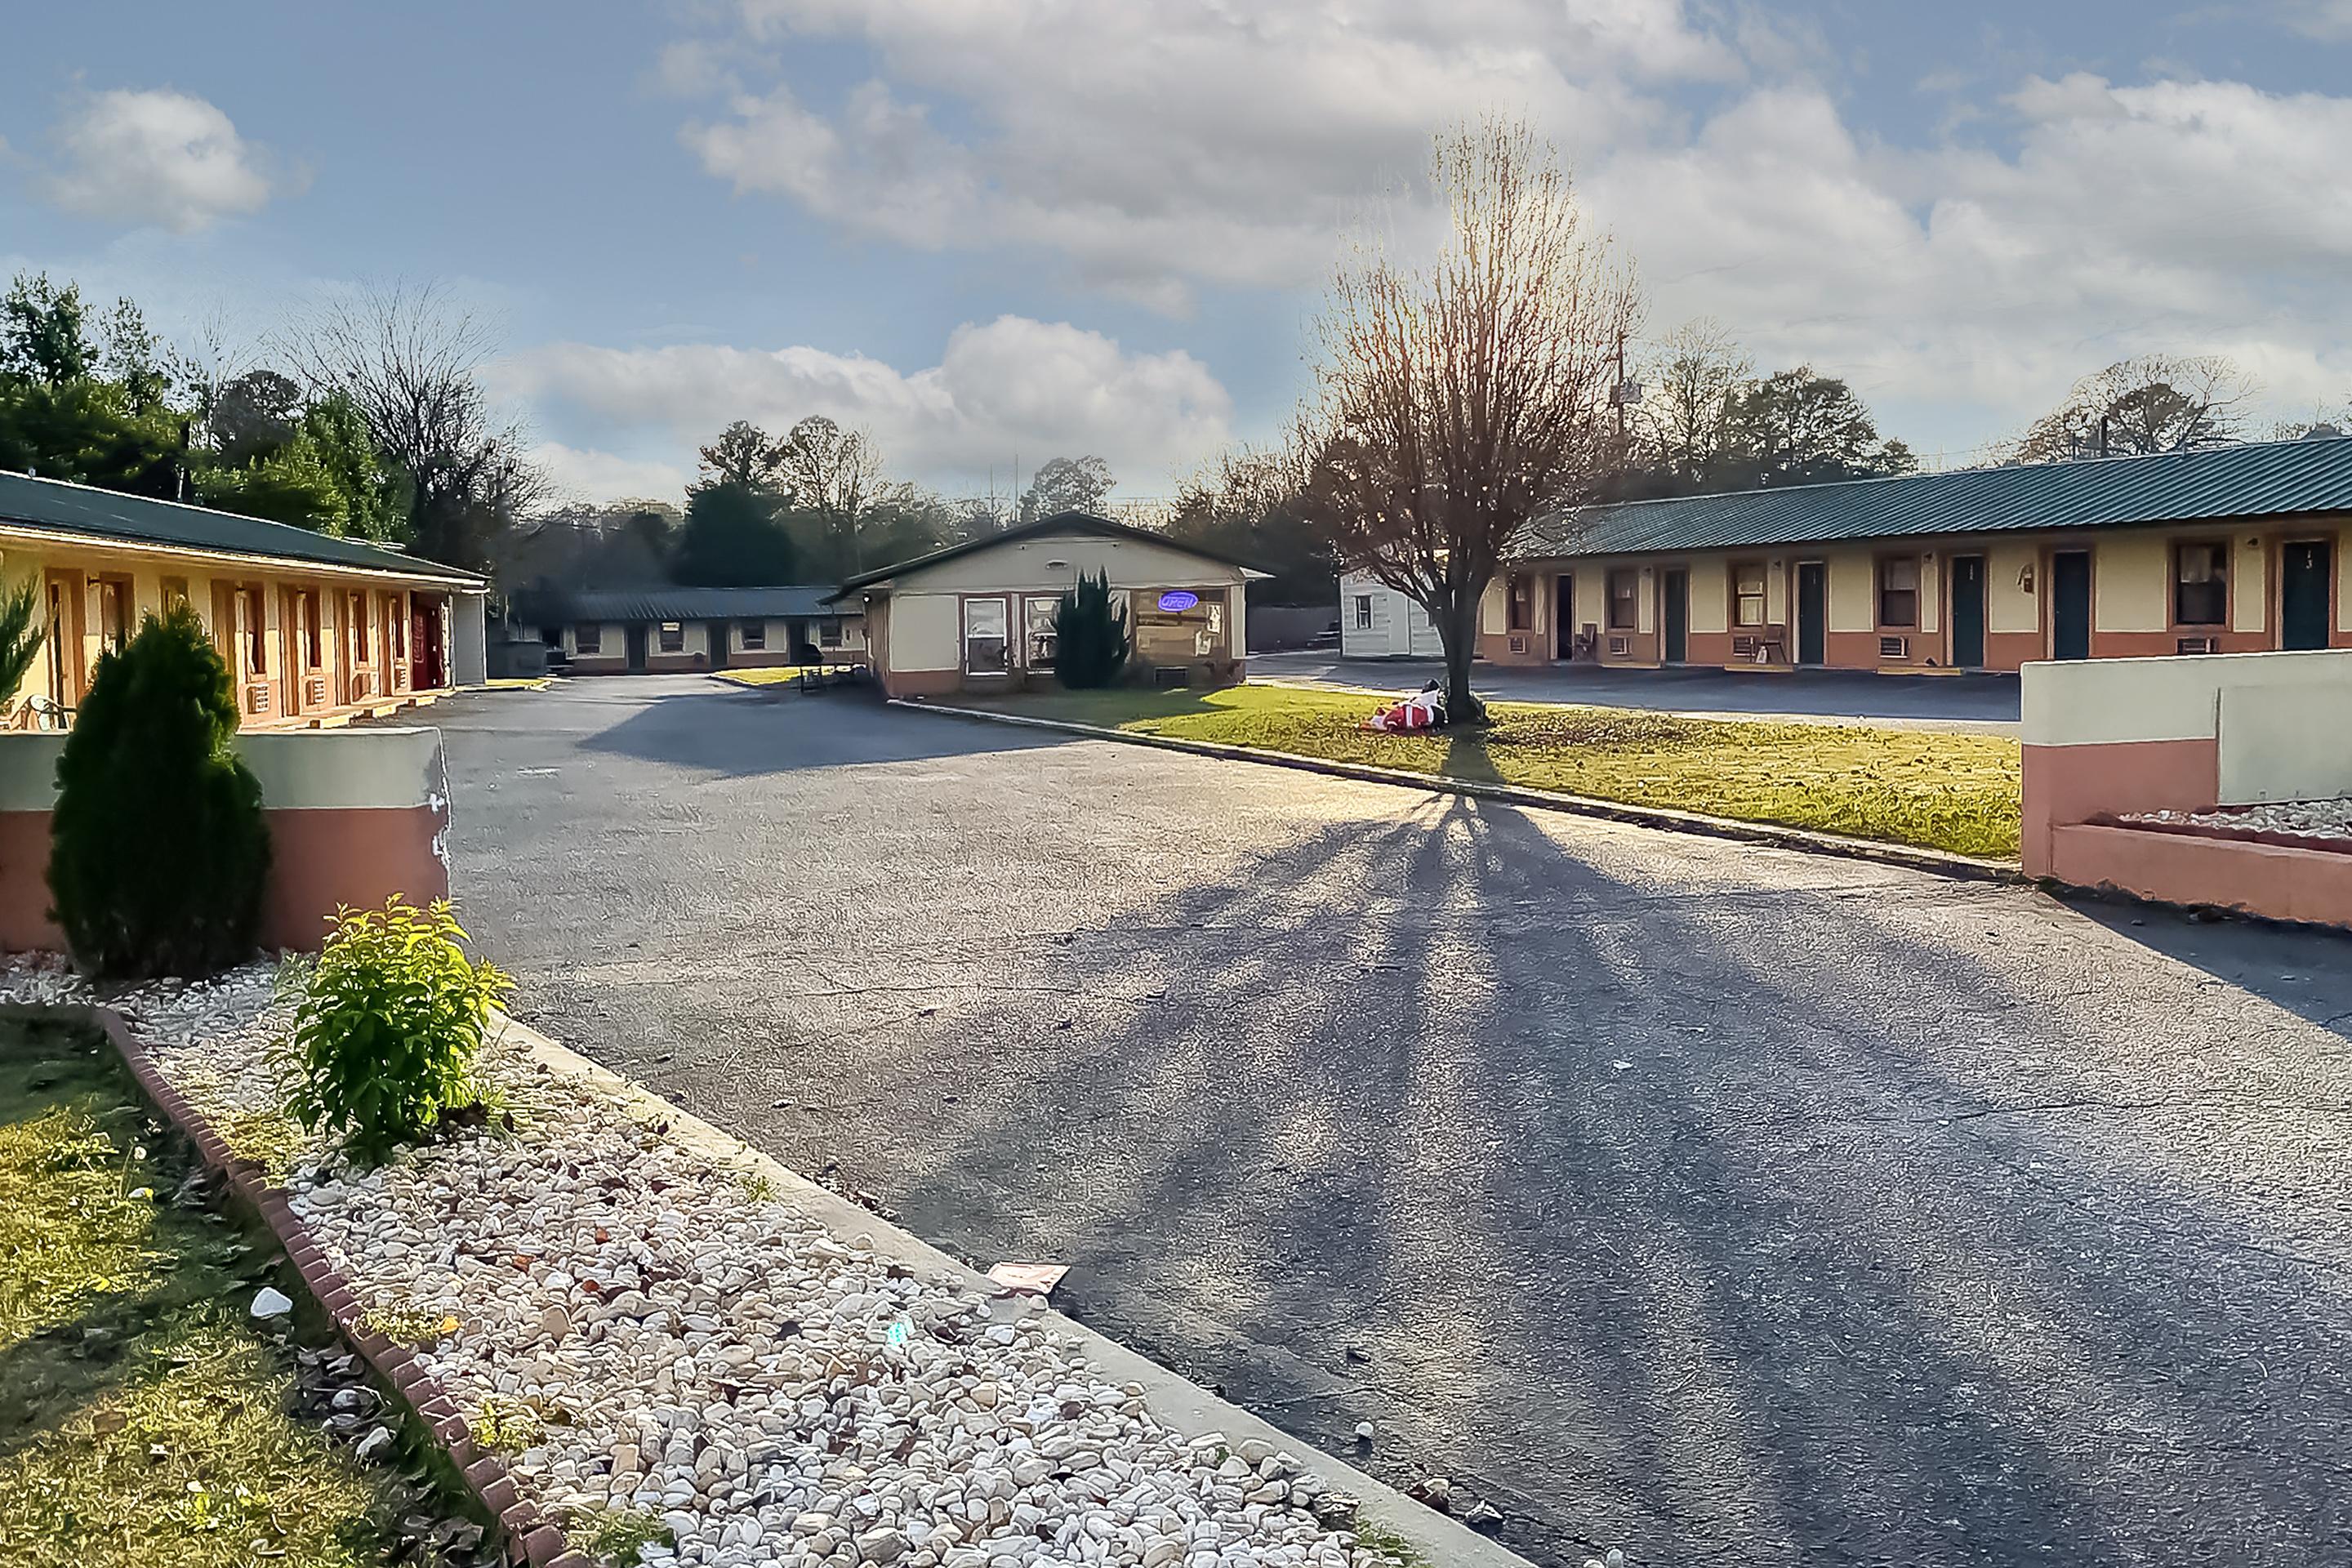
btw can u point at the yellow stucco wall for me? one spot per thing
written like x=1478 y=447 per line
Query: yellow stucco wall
x=1853 y=592
x=2250 y=586
x=2008 y=607
x=1710 y=595
x=2128 y=576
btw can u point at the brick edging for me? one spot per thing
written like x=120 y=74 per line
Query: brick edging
x=1937 y=862
x=532 y=1536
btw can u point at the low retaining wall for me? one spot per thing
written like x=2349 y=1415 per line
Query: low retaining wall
x=355 y=817
x=2112 y=738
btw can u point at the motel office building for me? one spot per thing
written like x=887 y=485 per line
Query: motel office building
x=2232 y=550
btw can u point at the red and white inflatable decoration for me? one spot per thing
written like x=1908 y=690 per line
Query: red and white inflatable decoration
x=1425 y=709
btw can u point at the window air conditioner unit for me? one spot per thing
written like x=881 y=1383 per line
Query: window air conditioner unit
x=1743 y=647
x=1894 y=647
x=257 y=699
x=1620 y=646
x=2200 y=645
x=1519 y=643
x=314 y=691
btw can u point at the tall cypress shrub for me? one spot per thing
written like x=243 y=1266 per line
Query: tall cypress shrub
x=1091 y=644
x=158 y=847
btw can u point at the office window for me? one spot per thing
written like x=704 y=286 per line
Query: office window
x=1625 y=589
x=1520 y=601
x=2200 y=582
x=589 y=638
x=1039 y=641
x=1898 y=591
x=672 y=636
x=1363 y=612
x=1747 y=594
x=983 y=636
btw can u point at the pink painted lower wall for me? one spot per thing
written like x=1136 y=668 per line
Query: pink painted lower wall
x=318 y=859
x=2064 y=784
x=2273 y=881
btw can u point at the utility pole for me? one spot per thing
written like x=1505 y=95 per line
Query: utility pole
x=1618 y=396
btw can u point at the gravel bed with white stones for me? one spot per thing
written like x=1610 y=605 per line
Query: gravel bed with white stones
x=659 y=1336
x=2326 y=820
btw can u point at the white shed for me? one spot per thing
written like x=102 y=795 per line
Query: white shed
x=1377 y=621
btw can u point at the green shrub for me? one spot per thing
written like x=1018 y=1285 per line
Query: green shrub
x=389 y=1025
x=1090 y=638
x=158 y=847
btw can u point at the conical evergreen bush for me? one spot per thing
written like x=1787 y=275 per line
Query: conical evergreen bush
x=1091 y=644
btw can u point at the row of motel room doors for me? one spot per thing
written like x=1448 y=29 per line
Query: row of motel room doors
x=2304 y=604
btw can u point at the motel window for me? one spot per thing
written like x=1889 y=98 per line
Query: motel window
x=1363 y=612
x=1520 y=604
x=1898 y=591
x=1747 y=594
x=755 y=636
x=2200 y=582
x=398 y=620
x=358 y=628
x=985 y=651
x=1624 y=585
x=175 y=593
x=828 y=632
x=113 y=612
x=588 y=639
x=1039 y=641
x=314 y=653
x=253 y=630
x=672 y=636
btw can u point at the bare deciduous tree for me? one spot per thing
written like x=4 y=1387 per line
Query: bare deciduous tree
x=834 y=474
x=2154 y=403
x=1461 y=399
x=1689 y=415
x=410 y=360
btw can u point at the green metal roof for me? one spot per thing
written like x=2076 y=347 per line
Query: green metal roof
x=667 y=602
x=29 y=502
x=2266 y=479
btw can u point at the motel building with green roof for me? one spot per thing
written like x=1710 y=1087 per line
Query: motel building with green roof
x=315 y=630
x=2230 y=550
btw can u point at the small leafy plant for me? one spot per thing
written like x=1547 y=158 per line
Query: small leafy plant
x=389 y=1025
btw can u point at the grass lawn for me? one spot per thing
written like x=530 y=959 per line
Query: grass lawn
x=144 y=1419
x=1937 y=790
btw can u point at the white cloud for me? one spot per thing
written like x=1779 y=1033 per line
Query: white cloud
x=1013 y=385
x=1158 y=147
x=592 y=476
x=157 y=157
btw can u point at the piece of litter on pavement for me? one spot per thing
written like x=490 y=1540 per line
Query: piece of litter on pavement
x=1037 y=1278
x=1621 y=1065
x=270 y=1303
x=898 y=1332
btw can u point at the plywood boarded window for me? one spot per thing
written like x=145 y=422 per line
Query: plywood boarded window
x=2200 y=582
x=1898 y=591
x=1747 y=594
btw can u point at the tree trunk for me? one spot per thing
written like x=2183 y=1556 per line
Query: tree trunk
x=1459 y=633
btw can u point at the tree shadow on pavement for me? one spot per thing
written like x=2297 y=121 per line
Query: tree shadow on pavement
x=1640 y=1216
x=740 y=734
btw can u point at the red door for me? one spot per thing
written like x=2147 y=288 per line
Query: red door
x=424 y=646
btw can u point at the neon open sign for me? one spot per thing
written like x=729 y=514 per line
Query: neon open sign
x=1179 y=599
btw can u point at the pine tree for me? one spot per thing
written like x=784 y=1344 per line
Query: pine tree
x=1091 y=643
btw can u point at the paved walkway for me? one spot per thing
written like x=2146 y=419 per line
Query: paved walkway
x=1983 y=703
x=1730 y=1205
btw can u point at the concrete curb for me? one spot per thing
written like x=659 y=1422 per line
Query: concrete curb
x=1183 y=1406
x=1964 y=867
x=530 y=1537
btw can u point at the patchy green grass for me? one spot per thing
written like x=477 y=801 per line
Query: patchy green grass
x=1935 y=789
x=144 y=1419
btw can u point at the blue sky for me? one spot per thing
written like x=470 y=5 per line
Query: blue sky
x=1022 y=228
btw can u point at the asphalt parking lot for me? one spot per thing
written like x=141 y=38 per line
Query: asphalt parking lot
x=1725 y=1204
